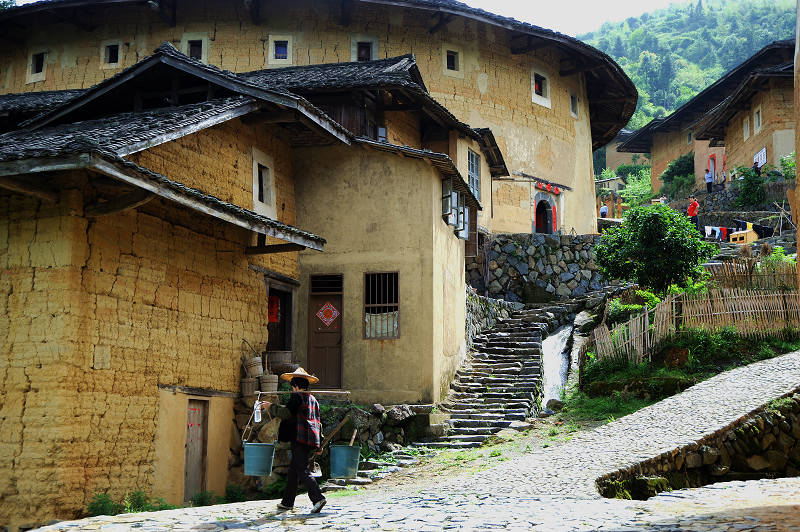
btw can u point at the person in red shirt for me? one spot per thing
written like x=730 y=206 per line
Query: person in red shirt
x=692 y=211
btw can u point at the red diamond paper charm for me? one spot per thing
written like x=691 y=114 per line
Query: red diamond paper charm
x=327 y=314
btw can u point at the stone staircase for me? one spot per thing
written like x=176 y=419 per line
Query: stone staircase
x=500 y=382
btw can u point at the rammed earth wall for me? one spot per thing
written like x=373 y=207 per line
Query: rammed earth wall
x=536 y=268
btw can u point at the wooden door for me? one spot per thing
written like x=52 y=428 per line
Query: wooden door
x=325 y=338
x=196 y=445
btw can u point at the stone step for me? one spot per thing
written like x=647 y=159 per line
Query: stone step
x=511 y=350
x=467 y=437
x=446 y=444
x=466 y=414
x=481 y=423
x=504 y=407
x=486 y=431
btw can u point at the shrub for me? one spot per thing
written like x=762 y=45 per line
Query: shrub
x=619 y=312
x=654 y=247
x=680 y=187
x=136 y=501
x=204 y=498
x=682 y=166
x=639 y=189
x=627 y=170
x=648 y=298
x=102 y=504
x=751 y=188
x=788 y=166
x=234 y=493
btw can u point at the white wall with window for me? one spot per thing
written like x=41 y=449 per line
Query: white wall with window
x=474 y=173
x=452 y=60
x=746 y=127
x=37 y=66
x=264 y=200
x=195 y=45
x=455 y=212
x=280 y=50
x=540 y=87
x=573 y=104
x=110 y=54
x=363 y=47
x=758 y=118
x=689 y=137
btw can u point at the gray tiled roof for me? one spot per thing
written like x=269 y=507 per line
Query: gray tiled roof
x=117 y=133
x=392 y=72
x=27 y=102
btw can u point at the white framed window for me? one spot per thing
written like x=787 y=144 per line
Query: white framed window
x=746 y=127
x=37 y=66
x=474 y=173
x=452 y=61
x=264 y=185
x=280 y=50
x=540 y=87
x=758 y=117
x=363 y=48
x=689 y=137
x=110 y=54
x=573 y=104
x=195 y=45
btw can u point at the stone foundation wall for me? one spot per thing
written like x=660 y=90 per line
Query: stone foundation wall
x=765 y=444
x=537 y=268
x=483 y=312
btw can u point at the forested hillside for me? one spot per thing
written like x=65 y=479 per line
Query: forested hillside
x=673 y=53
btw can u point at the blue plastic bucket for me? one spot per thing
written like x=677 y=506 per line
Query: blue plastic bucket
x=344 y=461
x=258 y=459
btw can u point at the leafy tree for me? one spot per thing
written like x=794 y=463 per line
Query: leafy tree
x=5 y=4
x=655 y=246
x=751 y=189
x=599 y=160
x=638 y=190
x=683 y=165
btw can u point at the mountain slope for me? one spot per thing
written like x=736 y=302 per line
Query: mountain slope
x=673 y=53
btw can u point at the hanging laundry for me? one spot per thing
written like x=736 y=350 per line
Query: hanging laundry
x=749 y=226
x=724 y=231
x=708 y=230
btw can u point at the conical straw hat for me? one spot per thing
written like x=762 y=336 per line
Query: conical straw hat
x=299 y=372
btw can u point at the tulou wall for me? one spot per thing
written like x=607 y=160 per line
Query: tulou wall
x=492 y=88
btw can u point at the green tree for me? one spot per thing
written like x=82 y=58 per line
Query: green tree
x=638 y=190
x=655 y=246
x=751 y=189
x=5 y=4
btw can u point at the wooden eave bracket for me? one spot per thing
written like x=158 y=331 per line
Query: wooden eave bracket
x=121 y=204
x=274 y=248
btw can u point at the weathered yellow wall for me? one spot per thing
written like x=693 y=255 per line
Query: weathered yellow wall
x=96 y=315
x=669 y=146
x=615 y=158
x=169 y=454
x=493 y=90
x=382 y=214
x=777 y=107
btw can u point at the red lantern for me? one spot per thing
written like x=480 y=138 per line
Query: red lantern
x=540 y=185
x=557 y=190
x=549 y=187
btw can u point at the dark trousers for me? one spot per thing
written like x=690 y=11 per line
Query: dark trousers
x=709 y=186
x=298 y=471
x=695 y=222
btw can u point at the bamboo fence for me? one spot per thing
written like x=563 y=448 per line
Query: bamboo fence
x=744 y=273
x=751 y=312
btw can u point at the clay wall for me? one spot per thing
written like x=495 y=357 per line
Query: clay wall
x=669 y=146
x=492 y=88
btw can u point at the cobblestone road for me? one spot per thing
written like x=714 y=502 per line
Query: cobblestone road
x=552 y=489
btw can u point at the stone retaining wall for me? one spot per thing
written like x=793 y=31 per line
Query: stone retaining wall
x=537 y=268
x=483 y=313
x=765 y=444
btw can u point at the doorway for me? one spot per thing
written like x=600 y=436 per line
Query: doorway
x=543 y=220
x=196 y=448
x=325 y=329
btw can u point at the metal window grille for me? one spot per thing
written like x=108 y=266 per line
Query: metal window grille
x=381 y=305
x=474 y=173
x=326 y=284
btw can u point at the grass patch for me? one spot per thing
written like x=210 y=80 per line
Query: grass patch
x=341 y=493
x=581 y=407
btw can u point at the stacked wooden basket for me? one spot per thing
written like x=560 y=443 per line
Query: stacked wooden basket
x=255 y=379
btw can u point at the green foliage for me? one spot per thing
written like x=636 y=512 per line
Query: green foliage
x=649 y=298
x=776 y=258
x=625 y=170
x=638 y=191
x=580 y=406
x=137 y=501
x=680 y=187
x=655 y=246
x=205 y=498
x=788 y=166
x=102 y=504
x=751 y=188
x=234 y=493
x=619 y=312
x=5 y=4
x=682 y=166
x=599 y=159
x=274 y=490
x=672 y=54
x=607 y=173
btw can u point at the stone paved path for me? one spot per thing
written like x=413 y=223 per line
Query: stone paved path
x=552 y=489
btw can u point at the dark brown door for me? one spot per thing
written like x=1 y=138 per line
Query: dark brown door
x=196 y=443
x=325 y=330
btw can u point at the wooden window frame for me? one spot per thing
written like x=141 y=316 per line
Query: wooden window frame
x=31 y=76
x=689 y=137
x=474 y=158
x=573 y=104
x=374 y=305
x=758 y=120
x=746 y=127
x=265 y=208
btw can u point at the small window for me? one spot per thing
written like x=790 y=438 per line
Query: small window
x=196 y=49
x=540 y=88
x=37 y=64
x=757 y=120
x=689 y=137
x=280 y=50
x=36 y=67
x=364 y=51
x=381 y=305
x=111 y=55
x=474 y=173
x=573 y=104
x=381 y=134
x=452 y=61
x=263 y=185
x=746 y=127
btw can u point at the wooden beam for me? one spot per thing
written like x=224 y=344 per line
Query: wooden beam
x=620 y=99
x=73 y=19
x=531 y=44
x=15 y=185
x=275 y=248
x=121 y=204
x=444 y=19
x=278 y=117
x=577 y=69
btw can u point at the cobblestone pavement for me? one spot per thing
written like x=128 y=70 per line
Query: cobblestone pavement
x=552 y=489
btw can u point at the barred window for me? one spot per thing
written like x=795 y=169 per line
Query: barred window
x=381 y=305
x=474 y=173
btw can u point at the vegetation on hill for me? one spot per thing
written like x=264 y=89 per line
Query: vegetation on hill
x=673 y=53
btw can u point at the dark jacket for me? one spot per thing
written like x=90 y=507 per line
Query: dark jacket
x=303 y=408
